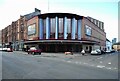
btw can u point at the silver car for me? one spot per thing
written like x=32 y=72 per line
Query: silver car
x=96 y=52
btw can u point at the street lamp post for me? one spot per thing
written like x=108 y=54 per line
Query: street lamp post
x=48 y=5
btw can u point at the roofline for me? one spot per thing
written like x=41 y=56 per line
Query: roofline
x=108 y=40
x=60 y=15
x=95 y=25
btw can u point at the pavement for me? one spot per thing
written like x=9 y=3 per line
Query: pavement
x=0 y=66
x=105 y=61
x=20 y=65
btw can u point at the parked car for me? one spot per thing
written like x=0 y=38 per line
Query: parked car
x=103 y=52
x=96 y=52
x=34 y=51
x=1 y=49
x=83 y=52
x=108 y=51
x=9 y=50
x=112 y=51
x=4 y=49
x=68 y=53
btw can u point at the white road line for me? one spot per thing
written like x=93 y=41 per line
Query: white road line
x=77 y=62
x=108 y=68
x=100 y=58
x=114 y=68
x=109 y=62
x=85 y=63
x=69 y=61
x=100 y=66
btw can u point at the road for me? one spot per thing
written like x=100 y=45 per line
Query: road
x=19 y=65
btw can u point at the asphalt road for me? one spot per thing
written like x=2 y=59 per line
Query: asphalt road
x=16 y=65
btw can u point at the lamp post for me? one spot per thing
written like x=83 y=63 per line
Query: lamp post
x=48 y=5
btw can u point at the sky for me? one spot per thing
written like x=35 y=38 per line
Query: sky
x=103 y=10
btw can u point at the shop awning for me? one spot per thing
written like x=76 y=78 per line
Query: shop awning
x=60 y=41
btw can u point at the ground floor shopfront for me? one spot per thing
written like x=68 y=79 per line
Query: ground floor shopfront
x=62 y=45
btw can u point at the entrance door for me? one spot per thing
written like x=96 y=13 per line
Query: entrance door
x=90 y=49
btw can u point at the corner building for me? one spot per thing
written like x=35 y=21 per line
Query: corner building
x=60 y=32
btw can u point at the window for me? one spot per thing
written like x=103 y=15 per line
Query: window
x=88 y=30
x=98 y=24
x=95 y=22
x=52 y=23
x=76 y=29
x=44 y=28
x=60 y=27
x=69 y=26
x=91 y=20
x=52 y=32
x=32 y=29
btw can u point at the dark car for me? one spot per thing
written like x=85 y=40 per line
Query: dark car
x=103 y=52
x=34 y=51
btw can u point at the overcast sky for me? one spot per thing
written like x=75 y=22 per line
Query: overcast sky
x=103 y=10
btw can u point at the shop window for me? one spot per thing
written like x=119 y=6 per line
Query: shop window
x=88 y=30
x=52 y=36
x=60 y=35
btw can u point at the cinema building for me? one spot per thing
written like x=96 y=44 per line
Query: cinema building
x=60 y=32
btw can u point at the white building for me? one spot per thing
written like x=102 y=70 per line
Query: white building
x=108 y=45
x=114 y=40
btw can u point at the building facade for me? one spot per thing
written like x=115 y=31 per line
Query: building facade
x=108 y=45
x=55 y=32
x=15 y=34
x=114 y=40
x=60 y=32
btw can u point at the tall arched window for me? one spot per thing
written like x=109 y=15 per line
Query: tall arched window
x=52 y=32
x=44 y=28
x=60 y=35
x=69 y=26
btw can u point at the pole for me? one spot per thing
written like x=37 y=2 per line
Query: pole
x=48 y=5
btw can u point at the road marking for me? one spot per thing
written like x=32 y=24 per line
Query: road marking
x=114 y=68
x=69 y=61
x=101 y=62
x=85 y=63
x=100 y=66
x=76 y=62
x=109 y=63
x=108 y=68
x=100 y=58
